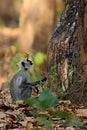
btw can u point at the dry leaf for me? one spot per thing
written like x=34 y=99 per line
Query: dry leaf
x=82 y=112
x=2 y=115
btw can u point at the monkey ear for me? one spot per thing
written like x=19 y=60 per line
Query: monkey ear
x=23 y=64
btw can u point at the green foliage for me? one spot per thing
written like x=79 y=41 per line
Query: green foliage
x=46 y=100
x=55 y=76
x=30 y=101
x=59 y=114
x=34 y=112
x=14 y=65
x=47 y=123
x=39 y=58
x=81 y=81
x=34 y=129
x=14 y=60
x=53 y=67
x=75 y=122
x=26 y=55
x=20 y=117
x=42 y=120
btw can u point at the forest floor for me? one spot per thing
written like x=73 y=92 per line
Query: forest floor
x=63 y=116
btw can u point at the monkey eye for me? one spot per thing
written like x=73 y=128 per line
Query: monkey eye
x=31 y=63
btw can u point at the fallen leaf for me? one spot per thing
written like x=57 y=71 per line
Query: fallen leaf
x=2 y=115
x=70 y=128
x=82 y=112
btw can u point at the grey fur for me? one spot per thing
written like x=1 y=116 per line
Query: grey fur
x=17 y=89
x=20 y=86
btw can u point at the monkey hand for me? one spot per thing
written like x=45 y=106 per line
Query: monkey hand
x=44 y=79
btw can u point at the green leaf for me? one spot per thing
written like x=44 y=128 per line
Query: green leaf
x=76 y=122
x=59 y=114
x=26 y=55
x=20 y=117
x=14 y=65
x=39 y=58
x=17 y=57
x=44 y=95
x=56 y=74
x=46 y=100
x=14 y=60
x=47 y=123
x=30 y=101
x=42 y=120
x=53 y=67
x=81 y=81
x=34 y=112
x=54 y=100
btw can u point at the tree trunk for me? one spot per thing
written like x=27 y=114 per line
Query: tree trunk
x=67 y=49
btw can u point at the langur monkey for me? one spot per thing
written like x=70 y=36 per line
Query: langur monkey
x=20 y=86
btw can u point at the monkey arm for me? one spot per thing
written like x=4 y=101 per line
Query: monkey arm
x=25 y=84
x=35 y=83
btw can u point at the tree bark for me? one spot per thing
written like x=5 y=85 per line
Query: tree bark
x=67 y=49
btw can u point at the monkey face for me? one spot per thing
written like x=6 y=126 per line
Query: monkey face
x=25 y=64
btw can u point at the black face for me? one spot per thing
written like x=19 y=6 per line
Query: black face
x=26 y=64
x=30 y=62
